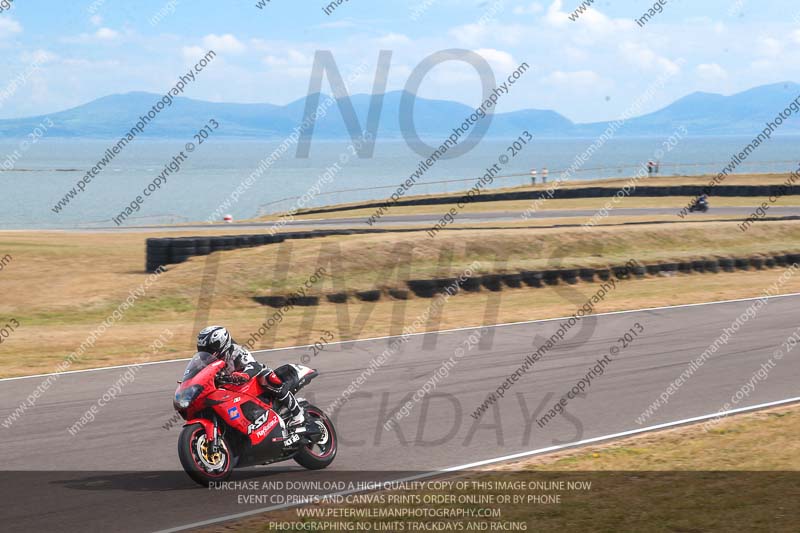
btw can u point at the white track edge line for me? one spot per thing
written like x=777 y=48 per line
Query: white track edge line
x=492 y=461
x=505 y=324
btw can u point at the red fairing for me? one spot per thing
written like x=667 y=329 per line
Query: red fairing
x=208 y=426
x=260 y=434
x=226 y=401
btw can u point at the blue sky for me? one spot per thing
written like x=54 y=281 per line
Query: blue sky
x=587 y=70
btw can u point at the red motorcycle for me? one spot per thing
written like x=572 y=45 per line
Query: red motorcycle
x=230 y=425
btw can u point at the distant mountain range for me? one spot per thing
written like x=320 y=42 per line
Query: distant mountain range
x=701 y=113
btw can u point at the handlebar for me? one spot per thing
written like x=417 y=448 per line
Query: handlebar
x=224 y=379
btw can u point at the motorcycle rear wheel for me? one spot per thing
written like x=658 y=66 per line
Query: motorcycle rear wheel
x=198 y=461
x=318 y=455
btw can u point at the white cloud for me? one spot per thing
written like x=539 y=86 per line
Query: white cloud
x=9 y=27
x=762 y=64
x=769 y=47
x=531 y=9
x=86 y=63
x=224 y=43
x=575 y=79
x=643 y=57
x=39 y=56
x=471 y=34
x=711 y=72
x=500 y=61
x=393 y=39
x=590 y=19
x=192 y=53
x=106 y=34
x=336 y=24
x=293 y=58
x=556 y=17
x=576 y=54
x=97 y=20
x=103 y=34
x=475 y=35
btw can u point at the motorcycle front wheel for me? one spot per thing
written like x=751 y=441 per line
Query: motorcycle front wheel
x=318 y=455
x=199 y=461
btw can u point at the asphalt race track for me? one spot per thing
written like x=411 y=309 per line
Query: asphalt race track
x=491 y=216
x=121 y=472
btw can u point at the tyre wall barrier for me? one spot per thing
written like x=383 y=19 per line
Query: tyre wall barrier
x=727 y=264
x=442 y=284
x=603 y=273
x=429 y=288
x=163 y=251
x=424 y=288
x=570 y=275
x=551 y=277
x=532 y=278
x=337 y=298
x=369 y=296
x=471 y=285
x=492 y=282
x=271 y=301
x=398 y=294
x=653 y=269
x=513 y=281
x=160 y=252
x=587 y=274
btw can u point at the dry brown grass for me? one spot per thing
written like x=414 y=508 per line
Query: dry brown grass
x=758 y=441
x=38 y=347
x=60 y=286
x=388 y=260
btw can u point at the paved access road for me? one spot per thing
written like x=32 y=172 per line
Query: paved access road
x=423 y=220
x=121 y=472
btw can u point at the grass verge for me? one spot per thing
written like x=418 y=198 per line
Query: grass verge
x=60 y=287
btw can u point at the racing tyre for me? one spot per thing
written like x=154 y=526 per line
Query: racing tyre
x=198 y=461
x=318 y=455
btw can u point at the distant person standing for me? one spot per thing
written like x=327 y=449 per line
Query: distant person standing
x=651 y=167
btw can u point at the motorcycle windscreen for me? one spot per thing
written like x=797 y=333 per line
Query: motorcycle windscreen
x=197 y=364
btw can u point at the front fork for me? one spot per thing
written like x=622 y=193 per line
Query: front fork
x=215 y=437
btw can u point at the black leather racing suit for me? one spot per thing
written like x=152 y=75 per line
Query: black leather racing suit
x=239 y=359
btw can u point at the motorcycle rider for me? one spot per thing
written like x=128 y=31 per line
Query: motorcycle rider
x=700 y=203
x=242 y=367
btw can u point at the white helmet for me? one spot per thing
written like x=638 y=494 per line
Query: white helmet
x=214 y=340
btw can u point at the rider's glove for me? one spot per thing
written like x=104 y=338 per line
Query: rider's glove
x=240 y=377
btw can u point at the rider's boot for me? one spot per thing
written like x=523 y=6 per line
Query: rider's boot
x=298 y=416
x=284 y=397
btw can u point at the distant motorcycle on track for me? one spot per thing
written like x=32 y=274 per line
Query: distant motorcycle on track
x=701 y=204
